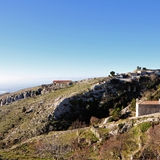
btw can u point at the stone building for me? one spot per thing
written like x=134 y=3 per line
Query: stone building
x=62 y=83
x=147 y=107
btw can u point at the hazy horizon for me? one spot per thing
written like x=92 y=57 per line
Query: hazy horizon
x=12 y=87
x=45 y=40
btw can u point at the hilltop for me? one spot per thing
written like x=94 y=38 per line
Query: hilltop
x=81 y=120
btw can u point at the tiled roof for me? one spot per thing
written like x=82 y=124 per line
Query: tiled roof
x=150 y=102
x=62 y=81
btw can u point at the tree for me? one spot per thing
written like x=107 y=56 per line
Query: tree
x=138 y=68
x=144 y=68
x=112 y=73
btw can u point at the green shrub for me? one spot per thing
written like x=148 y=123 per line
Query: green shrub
x=116 y=114
x=144 y=126
x=133 y=104
x=110 y=119
x=120 y=125
x=24 y=109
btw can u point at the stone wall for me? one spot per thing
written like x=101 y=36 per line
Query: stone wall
x=145 y=109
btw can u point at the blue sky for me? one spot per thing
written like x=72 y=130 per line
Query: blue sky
x=43 y=40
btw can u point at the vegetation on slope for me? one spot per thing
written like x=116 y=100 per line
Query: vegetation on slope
x=27 y=131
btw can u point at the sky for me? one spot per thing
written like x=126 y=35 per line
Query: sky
x=44 y=40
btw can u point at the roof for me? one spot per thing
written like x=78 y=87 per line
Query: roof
x=150 y=102
x=62 y=81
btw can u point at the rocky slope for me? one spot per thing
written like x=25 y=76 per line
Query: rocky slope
x=31 y=127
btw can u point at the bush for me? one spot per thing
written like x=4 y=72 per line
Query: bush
x=116 y=114
x=133 y=104
x=110 y=119
x=94 y=120
x=24 y=109
x=120 y=125
x=145 y=126
x=77 y=124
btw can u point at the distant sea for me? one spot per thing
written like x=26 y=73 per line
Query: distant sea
x=6 y=91
x=1 y=92
x=9 y=90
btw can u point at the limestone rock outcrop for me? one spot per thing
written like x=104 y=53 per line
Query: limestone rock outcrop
x=9 y=98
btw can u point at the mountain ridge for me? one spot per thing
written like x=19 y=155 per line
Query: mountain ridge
x=94 y=103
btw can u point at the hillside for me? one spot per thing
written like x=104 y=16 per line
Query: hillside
x=80 y=121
